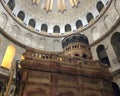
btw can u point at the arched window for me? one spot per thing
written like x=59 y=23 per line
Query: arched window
x=115 y=41
x=32 y=23
x=102 y=55
x=89 y=17
x=67 y=28
x=99 y=6
x=116 y=89
x=56 y=29
x=21 y=15
x=8 y=57
x=11 y=4
x=79 y=24
x=84 y=56
x=44 y=28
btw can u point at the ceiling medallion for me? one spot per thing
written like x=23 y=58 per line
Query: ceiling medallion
x=61 y=4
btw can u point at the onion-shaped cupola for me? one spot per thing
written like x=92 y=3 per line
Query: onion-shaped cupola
x=77 y=45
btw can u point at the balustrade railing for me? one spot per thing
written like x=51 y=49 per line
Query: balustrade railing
x=40 y=55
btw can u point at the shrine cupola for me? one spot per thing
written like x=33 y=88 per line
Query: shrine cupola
x=77 y=45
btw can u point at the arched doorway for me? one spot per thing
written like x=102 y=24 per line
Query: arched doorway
x=115 y=41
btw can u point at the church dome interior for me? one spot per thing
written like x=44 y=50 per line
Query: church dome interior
x=65 y=29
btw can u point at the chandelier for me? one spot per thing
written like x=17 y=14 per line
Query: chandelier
x=61 y=4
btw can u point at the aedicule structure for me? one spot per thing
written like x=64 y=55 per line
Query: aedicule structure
x=71 y=73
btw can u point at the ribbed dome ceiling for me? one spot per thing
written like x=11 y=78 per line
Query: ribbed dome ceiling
x=54 y=16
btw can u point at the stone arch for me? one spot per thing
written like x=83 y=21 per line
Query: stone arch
x=102 y=55
x=28 y=38
x=42 y=42
x=56 y=45
x=107 y=21
x=3 y=20
x=95 y=33
x=115 y=41
x=16 y=30
x=37 y=44
x=117 y=6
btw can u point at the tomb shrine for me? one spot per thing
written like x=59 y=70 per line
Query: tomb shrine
x=69 y=73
